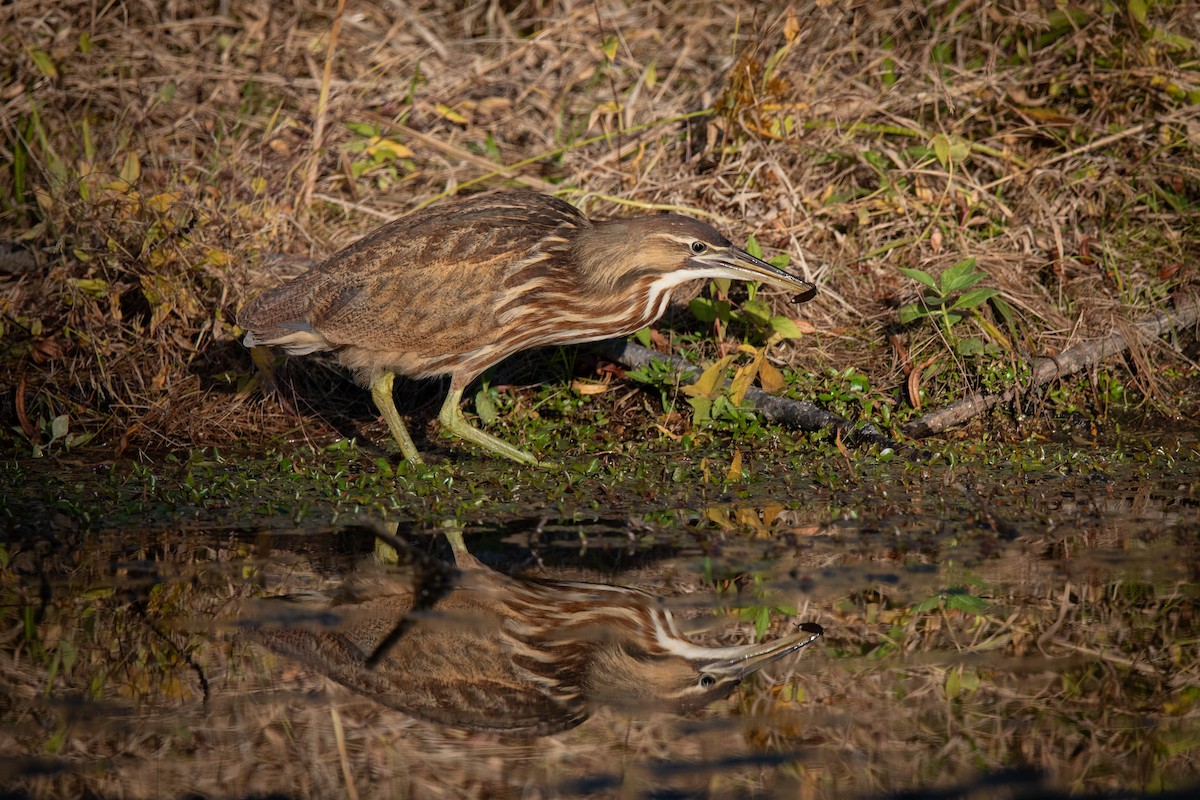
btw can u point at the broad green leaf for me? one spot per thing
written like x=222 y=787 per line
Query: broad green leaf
x=780 y=261
x=1137 y=10
x=753 y=247
x=485 y=408
x=363 y=129
x=701 y=409
x=970 y=347
x=941 y=149
x=643 y=337
x=975 y=297
x=911 y=313
x=44 y=63
x=58 y=427
x=785 y=327
x=758 y=311
x=610 y=48
x=920 y=276
x=702 y=309
x=953 y=279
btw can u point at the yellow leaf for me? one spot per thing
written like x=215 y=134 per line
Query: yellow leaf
x=610 y=48
x=131 y=170
x=771 y=512
x=609 y=107
x=770 y=378
x=588 y=388
x=710 y=380
x=743 y=379
x=718 y=515
x=218 y=258
x=162 y=201
x=258 y=184
x=96 y=287
x=379 y=145
x=791 y=27
x=449 y=113
x=734 y=473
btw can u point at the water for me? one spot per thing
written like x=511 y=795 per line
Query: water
x=1020 y=629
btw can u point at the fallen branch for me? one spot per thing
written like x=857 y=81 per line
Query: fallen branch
x=797 y=414
x=1068 y=362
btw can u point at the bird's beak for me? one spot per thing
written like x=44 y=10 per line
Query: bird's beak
x=738 y=662
x=733 y=262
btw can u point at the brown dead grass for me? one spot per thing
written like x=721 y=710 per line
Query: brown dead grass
x=165 y=152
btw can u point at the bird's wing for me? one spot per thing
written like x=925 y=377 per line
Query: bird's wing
x=430 y=280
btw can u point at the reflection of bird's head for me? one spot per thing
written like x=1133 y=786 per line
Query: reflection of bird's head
x=625 y=676
x=616 y=646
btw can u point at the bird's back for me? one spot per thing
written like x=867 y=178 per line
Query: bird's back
x=426 y=283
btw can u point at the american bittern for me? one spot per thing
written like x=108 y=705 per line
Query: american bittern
x=504 y=654
x=455 y=289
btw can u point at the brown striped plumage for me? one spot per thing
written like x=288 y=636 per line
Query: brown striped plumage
x=456 y=289
x=505 y=654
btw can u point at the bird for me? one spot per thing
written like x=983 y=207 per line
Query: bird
x=474 y=649
x=457 y=288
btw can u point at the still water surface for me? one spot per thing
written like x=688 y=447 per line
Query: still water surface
x=1004 y=634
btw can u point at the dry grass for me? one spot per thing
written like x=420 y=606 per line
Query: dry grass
x=157 y=157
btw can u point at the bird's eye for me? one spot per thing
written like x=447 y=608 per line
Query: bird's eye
x=699 y=247
x=706 y=681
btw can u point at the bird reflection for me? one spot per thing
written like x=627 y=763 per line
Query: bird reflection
x=470 y=648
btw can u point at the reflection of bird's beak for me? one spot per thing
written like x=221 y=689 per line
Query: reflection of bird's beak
x=733 y=262
x=738 y=662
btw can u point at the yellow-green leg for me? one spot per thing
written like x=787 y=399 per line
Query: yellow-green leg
x=381 y=393
x=452 y=420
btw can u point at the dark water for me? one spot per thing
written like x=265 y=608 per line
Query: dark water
x=1015 y=631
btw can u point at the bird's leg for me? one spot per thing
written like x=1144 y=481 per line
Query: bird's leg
x=381 y=393
x=452 y=419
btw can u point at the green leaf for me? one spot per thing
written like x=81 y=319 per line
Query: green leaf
x=920 y=276
x=362 y=128
x=58 y=427
x=44 y=63
x=780 y=261
x=753 y=247
x=975 y=297
x=1137 y=10
x=703 y=309
x=911 y=313
x=961 y=276
x=643 y=337
x=610 y=47
x=970 y=347
x=701 y=410
x=758 y=311
x=485 y=407
x=941 y=149
x=785 y=327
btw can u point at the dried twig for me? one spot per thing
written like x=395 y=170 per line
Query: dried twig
x=1045 y=370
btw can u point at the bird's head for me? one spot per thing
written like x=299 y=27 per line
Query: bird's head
x=668 y=250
